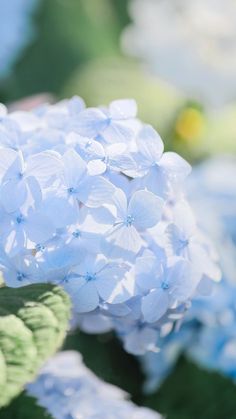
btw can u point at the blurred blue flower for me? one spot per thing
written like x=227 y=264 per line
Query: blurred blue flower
x=68 y=389
x=175 y=35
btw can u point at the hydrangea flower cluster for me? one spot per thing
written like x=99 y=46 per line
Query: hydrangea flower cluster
x=190 y=44
x=68 y=389
x=207 y=335
x=90 y=201
x=16 y=30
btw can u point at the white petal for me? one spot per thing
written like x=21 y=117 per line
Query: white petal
x=95 y=191
x=7 y=157
x=124 y=239
x=96 y=167
x=74 y=168
x=150 y=144
x=123 y=109
x=91 y=122
x=44 y=165
x=175 y=166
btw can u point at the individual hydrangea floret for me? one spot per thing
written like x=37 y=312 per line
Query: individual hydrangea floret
x=208 y=334
x=90 y=200
x=188 y=43
x=68 y=389
x=16 y=30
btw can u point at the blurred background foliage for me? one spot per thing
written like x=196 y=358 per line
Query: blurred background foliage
x=76 y=50
x=189 y=393
x=69 y=33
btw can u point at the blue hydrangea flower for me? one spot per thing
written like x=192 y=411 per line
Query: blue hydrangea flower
x=207 y=335
x=90 y=201
x=68 y=389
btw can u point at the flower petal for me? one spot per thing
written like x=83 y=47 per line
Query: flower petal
x=154 y=305
x=146 y=208
x=95 y=191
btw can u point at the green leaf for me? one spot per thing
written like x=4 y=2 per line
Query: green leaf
x=104 y=355
x=33 y=322
x=24 y=407
x=192 y=393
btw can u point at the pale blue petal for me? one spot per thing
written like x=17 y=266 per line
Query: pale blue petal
x=14 y=241
x=146 y=208
x=44 y=166
x=85 y=298
x=38 y=227
x=118 y=132
x=67 y=214
x=76 y=105
x=174 y=166
x=187 y=223
x=150 y=145
x=155 y=305
x=96 y=167
x=74 y=168
x=13 y=194
x=89 y=149
x=123 y=239
x=91 y=122
x=140 y=341
x=123 y=109
x=7 y=158
x=183 y=279
x=120 y=201
x=147 y=270
x=95 y=191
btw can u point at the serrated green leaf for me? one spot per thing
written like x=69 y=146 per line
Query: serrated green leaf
x=33 y=322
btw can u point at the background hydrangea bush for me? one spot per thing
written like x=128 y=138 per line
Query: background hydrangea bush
x=90 y=201
x=190 y=44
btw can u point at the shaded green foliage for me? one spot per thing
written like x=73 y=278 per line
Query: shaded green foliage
x=193 y=393
x=33 y=323
x=189 y=392
x=105 y=357
x=68 y=33
x=23 y=407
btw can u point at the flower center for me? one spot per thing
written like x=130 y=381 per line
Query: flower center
x=90 y=277
x=183 y=244
x=71 y=190
x=39 y=247
x=129 y=220
x=20 y=276
x=165 y=286
x=76 y=234
x=19 y=219
x=20 y=175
